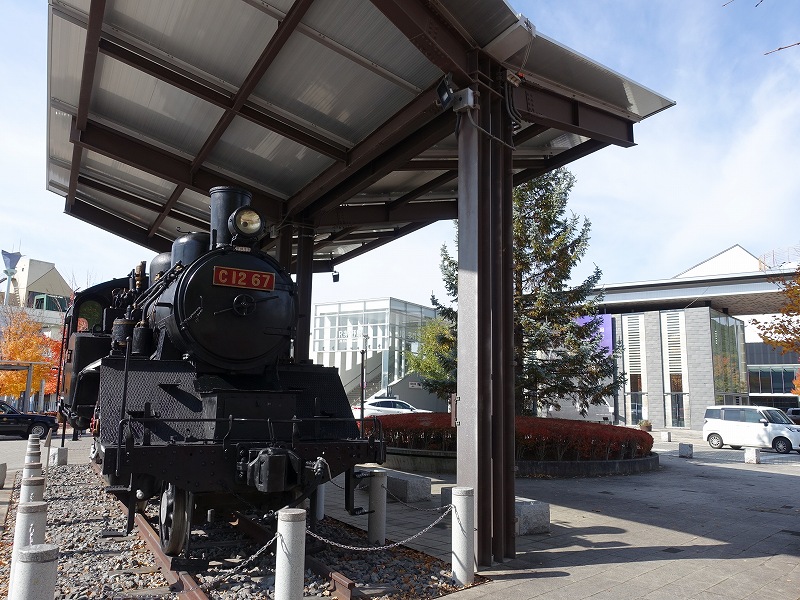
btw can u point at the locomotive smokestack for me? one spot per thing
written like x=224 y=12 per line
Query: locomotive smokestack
x=225 y=200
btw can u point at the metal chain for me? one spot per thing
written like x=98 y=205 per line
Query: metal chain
x=436 y=509
x=207 y=585
x=386 y=547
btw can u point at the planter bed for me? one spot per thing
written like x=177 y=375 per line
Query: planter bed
x=434 y=461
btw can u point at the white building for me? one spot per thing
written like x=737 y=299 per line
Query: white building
x=688 y=342
x=386 y=330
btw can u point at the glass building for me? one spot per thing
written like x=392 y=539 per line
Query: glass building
x=386 y=329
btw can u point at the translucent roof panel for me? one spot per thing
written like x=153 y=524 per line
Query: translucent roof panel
x=334 y=119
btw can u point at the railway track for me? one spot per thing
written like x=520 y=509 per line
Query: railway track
x=187 y=587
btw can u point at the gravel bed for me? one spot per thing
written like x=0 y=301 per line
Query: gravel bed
x=92 y=566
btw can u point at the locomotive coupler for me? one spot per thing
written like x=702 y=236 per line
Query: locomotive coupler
x=271 y=469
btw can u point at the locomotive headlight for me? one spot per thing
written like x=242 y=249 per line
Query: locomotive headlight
x=245 y=224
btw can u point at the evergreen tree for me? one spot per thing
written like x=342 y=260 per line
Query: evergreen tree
x=557 y=339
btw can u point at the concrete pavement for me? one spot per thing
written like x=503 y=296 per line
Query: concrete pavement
x=707 y=527
x=12 y=452
x=704 y=528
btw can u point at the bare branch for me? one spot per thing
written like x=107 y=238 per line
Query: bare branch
x=782 y=48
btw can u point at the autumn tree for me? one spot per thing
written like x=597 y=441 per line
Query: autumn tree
x=783 y=330
x=22 y=340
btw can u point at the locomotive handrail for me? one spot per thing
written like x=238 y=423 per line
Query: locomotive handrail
x=377 y=427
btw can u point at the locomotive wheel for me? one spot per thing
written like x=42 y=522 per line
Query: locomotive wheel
x=173 y=522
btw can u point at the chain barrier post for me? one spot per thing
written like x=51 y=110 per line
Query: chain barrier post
x=29 y=530
x=32 y=489
x=320 y=504
x=290 y=554
x=376 y=523
x=37 y=573
x=463 y=527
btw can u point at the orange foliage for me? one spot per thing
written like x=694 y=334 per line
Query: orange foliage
x=23 y=341
x=783 y=331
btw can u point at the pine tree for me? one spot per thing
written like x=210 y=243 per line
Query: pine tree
x=557 y=339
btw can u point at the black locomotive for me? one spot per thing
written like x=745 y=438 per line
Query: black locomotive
x=186 y=377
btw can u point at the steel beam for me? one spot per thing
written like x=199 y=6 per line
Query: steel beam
x=163 y=164
x=151 y=205
x=383 y=164
x=120 y=227
x=94 y=29
x=559 y=160
x=415 y=115
x=568 y=114
x=377 y=215
x=432 y=35
x=206 y=90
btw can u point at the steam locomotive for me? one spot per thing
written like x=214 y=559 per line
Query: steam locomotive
x=186 y=377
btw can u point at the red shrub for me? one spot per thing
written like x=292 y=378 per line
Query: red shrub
x=536 y=438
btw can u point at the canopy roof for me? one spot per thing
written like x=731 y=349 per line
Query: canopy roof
x=327 y=111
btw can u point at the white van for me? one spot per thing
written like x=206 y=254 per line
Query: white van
x=759 y=426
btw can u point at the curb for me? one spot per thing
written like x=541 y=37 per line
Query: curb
x=5 y=498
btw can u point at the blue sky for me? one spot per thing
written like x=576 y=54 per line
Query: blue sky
x=719 y=168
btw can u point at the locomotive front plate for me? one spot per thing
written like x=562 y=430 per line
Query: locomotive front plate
x=243 y=278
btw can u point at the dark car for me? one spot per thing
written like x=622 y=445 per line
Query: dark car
x=14 y=422
x=793 y=414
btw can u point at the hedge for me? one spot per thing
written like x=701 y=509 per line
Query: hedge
x=536 y=438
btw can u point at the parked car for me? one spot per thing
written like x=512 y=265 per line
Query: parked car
x=793 y=414
x=758 y=426
x=14 y=422
x=385 y=406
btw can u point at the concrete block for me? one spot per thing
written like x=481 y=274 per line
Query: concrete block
x=3 y=469
x=533 y=516
x=752 y=456
x=408 y=487
x=685 y=450
x=666 y=436
x=446 y=495
x=58 y=456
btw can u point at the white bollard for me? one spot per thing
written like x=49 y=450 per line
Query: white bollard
x=58 y=456
x=752 y=456
x=29 y=530
x=463 y=536
x=376 y=521
x=32 y=470
x=36 y=573
x=3 y=469
x=46 y=449
x=32 y=489
x=320 y=514
x=290 y=554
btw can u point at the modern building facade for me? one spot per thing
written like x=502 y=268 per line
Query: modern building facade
x=688 y=342
x=384 y=329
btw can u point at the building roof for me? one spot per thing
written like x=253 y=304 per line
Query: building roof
x=327 y=111
x=732 y=281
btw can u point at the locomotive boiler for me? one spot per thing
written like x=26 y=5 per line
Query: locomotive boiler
x=185 y=374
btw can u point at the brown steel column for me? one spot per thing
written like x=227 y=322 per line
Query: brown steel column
x=283 y=251
x=484 y=494
x=507 y=327
x=305 y=268
x=496 y=263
